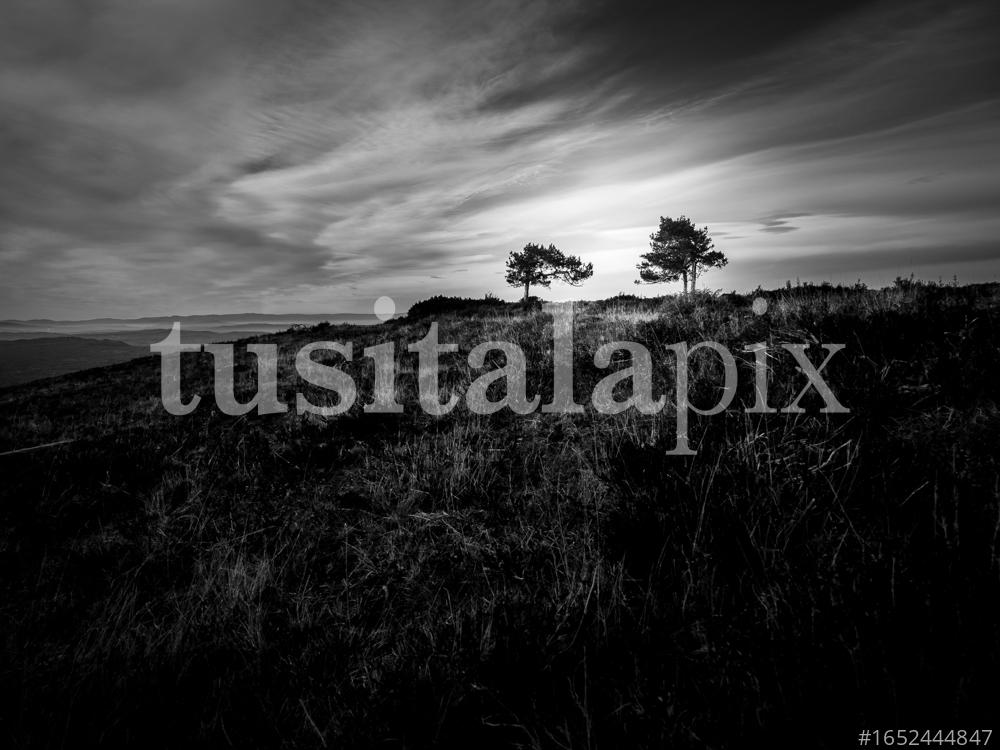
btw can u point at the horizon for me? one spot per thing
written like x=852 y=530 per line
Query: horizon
x=514 y=299
x=306 y=157
x=258 y=315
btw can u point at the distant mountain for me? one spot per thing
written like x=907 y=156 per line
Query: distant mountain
x=40 y=348
x=143 y=336
x=254 y=321
x=30 y=359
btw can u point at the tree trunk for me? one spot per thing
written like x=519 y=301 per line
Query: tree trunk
x=694 y=276
x=685 y=275
x=526 y=287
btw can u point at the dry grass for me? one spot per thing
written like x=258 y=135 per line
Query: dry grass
x=540 y=581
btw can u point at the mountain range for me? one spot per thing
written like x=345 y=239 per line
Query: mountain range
x=41 y=348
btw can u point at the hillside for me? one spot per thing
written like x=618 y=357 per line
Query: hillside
x=539 y=580
x=29 y=359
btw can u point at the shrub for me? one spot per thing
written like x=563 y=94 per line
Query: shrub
x=440 y=304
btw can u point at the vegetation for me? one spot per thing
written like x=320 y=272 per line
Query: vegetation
x=678 y=250
x=441 y=305
x=540 y=266
x=543 y=581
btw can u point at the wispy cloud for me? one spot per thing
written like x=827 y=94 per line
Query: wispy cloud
x=212 y=155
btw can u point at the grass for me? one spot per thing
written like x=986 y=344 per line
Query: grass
x=546 y=581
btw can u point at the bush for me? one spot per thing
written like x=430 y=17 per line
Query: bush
x=440 y=304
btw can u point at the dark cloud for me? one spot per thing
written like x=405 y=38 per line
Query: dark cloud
x=661 y=53
x=262 y=164
x=778 y=223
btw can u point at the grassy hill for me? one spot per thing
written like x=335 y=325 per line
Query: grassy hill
x=546 y=580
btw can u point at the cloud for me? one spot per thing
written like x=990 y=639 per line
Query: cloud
x=778 y=223
x=215 y=155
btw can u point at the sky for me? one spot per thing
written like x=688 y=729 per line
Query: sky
x=219 y=156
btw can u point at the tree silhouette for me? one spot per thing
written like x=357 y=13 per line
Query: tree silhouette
x=536 y=265
x=678 y=250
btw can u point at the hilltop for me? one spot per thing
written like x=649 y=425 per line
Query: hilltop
x=546 y=580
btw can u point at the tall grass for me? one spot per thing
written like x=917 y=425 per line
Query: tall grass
x=542 y=581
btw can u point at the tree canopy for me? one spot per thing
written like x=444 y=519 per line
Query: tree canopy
x=537 y=265
x=678 y=250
